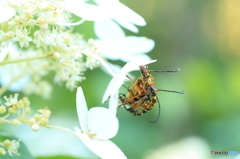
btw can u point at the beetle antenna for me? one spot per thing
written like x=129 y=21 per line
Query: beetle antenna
x=178 y=69
x=158 y=112
x=170 y=91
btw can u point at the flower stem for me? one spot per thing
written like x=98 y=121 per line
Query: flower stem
x=61 y=128
x=4 y=120
x=27 y=59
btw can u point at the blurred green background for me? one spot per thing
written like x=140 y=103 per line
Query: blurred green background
x=203 y=39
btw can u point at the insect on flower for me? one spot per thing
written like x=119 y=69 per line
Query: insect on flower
x=142 y=95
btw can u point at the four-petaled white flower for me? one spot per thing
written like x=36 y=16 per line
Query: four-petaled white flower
x=97 y=126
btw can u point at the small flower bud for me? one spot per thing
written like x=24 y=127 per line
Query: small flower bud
x=16 y=122
x=45 y=112
x=26 y=101
x=31 y=121
x=27 y=110
x=20 y=104
x=31 y=22
x=44 y=26
x=35 y=127
x=41 y=20
x=2 y=151
x=14 y=4
x=37 y=117
x=29 y=14
x=7 y=143
x=2 y=109
x=12 y=110
x=91 y=43
x=43 y=122
x=56 y=55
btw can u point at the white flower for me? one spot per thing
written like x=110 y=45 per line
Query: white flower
x=106 y=9
x=12 y=146
x=12 y=100
x=22 y=37
x=119 y=78
x=116 y=45
x=13 y=149
x=97 y=126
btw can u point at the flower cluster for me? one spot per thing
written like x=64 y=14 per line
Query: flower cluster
x=10 y=146
x=17 y=111
x=37 y=37
x=46 y=42
x=47 y=47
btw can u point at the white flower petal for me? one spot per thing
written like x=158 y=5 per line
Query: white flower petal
x=126 y=24
x=137 y=45
x=101 y=123
x=114 y=68
x=104 y=149
x=109 y=89
x=110 y=49
x=108 y=30
x=132 y=57
x=88 y=11
x=104 y=63
x=113 y=104
x=124 y=51
x=118 y=80
x=6 y=13
x=81 y=109
x=108 y=150
x=84 y=137
x=106 y=2
x=129 y=15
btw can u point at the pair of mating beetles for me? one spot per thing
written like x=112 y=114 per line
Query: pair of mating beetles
x=142 y=95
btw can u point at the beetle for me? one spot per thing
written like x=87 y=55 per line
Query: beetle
x=142 y=95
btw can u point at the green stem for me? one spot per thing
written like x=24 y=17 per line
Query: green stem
x=27 y=59
x=4 y=117
x=3 y=120
x=61 y=128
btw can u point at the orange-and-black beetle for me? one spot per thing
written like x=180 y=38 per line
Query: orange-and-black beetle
x=142 y=95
